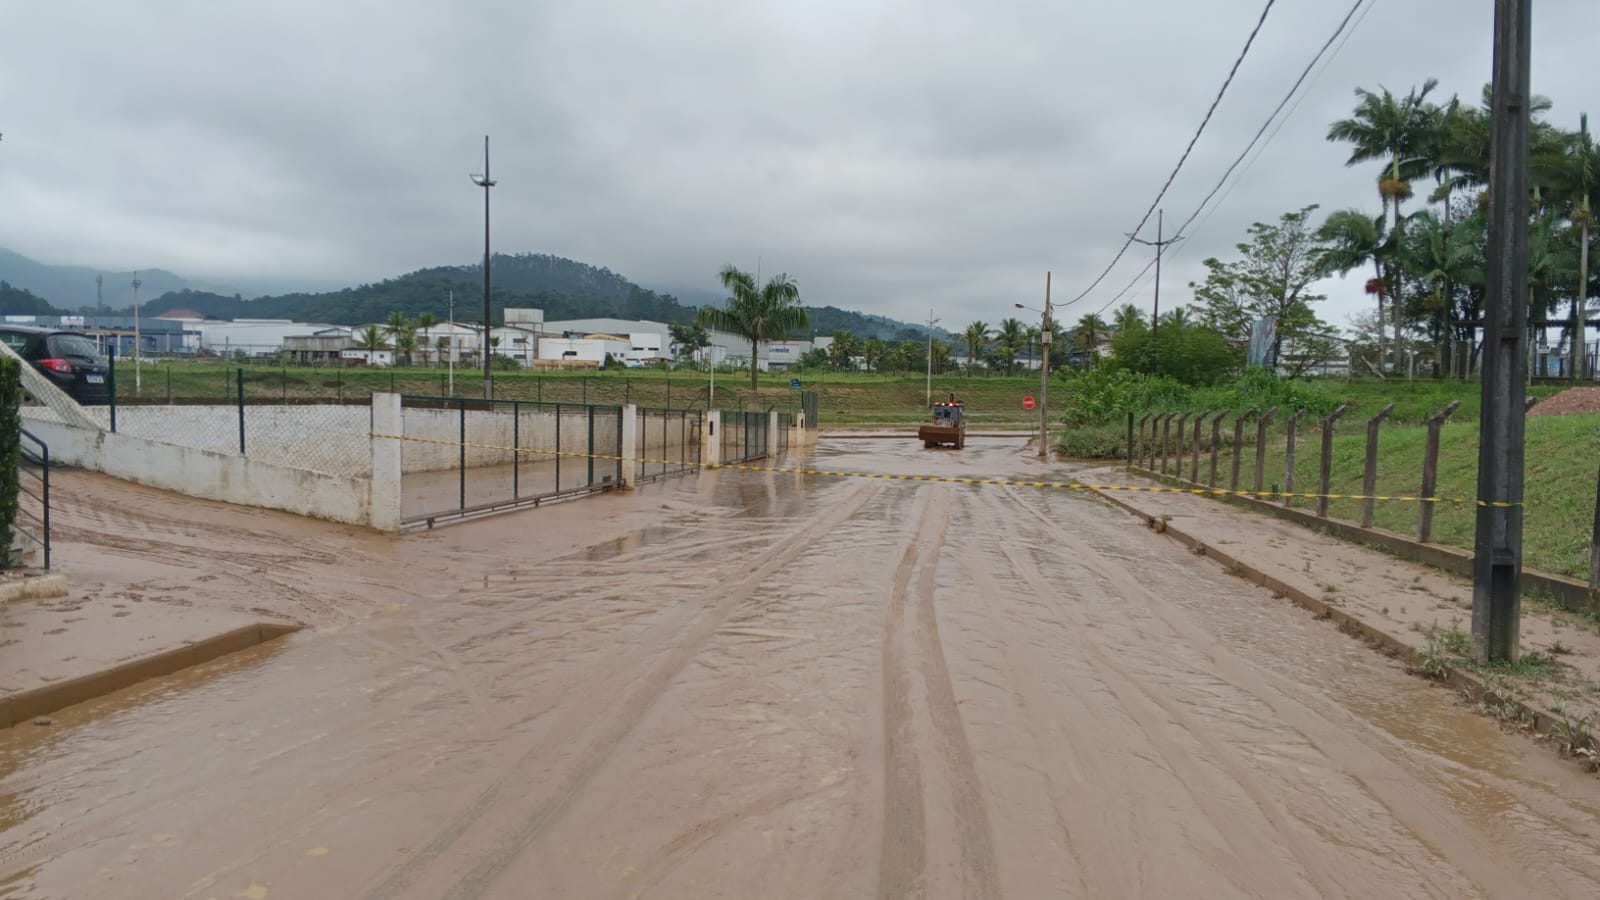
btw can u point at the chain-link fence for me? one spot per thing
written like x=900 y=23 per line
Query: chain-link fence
x=744 y=436
x=462 y=456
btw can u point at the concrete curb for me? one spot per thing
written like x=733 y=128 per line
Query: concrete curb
x=34 y=587
x=1468 y=683
x=27 y=705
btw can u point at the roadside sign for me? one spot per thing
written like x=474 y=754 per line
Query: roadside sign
x=794 y=384
x=1027 y=402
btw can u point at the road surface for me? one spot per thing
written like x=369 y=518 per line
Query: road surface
x=763 y=685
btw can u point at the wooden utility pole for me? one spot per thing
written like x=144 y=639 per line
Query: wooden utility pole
x=1159 y=244
x=1497 y=562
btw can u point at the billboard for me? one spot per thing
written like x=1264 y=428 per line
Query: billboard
x=1263 y=343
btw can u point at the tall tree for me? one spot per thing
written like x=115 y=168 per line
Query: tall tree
x=1574 y=170
x=425 y=323
x=689 y=339
x=1272 y=279
x=1128 y=318
x=976 y=337
x=402 y=333
x=873 y=350
x=1090 y=332
x=846 y=347
x=1008 y=339
x=1351 y=239
x=770 y=313
x=1400 y=131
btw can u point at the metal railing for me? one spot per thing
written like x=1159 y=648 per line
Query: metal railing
x=34 y=483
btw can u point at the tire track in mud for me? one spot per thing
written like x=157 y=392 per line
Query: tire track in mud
x=1433 y=823
x=638 y=688
x=903 y=859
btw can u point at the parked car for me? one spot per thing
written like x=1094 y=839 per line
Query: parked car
x=70 y=359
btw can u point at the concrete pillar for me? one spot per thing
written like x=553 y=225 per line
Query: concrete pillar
x=772 y=432
x=630 y=444
x=384 y=499
x=711 y=439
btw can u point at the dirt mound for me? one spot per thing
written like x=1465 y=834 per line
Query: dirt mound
x=1570 y=402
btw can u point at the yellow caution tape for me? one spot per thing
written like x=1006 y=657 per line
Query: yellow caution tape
x=942 y=479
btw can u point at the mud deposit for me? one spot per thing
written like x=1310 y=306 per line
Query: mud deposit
x=755 y=685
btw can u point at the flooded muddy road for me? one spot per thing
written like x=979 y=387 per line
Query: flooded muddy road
x=766 y=685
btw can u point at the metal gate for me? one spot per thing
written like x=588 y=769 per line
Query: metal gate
x=785 y=423
x=744 y=436
x=669 y=442
x=463 y=457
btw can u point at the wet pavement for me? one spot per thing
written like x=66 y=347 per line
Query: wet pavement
x=763 y=685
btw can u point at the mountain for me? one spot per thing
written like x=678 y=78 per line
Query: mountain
x=563 y=288
x=72 y=288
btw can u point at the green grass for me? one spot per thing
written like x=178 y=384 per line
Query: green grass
x=1559 y=486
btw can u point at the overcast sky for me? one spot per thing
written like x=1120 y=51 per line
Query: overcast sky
x=891 y=156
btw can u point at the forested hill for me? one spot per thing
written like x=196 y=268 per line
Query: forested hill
x=563 y=288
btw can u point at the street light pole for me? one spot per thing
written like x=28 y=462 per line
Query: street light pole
x=137 y=384
x=486 y=183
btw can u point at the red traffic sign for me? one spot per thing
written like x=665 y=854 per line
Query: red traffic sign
x=1027 y=402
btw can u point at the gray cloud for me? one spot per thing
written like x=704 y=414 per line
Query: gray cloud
x=893 y=156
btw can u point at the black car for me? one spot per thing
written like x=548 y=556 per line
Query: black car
x=70 y=359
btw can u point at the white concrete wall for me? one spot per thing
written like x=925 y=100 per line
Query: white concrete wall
x=207 y=473
x=330 y=439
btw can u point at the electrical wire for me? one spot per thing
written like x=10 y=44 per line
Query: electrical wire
x=1184 y=158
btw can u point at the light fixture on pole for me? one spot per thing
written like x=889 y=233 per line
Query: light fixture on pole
x=486 y=183
x=1044 y=370
x=931 y=322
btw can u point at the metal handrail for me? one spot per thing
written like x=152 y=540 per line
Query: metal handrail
x=41 y=459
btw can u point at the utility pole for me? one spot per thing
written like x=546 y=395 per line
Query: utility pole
x=486 y=183
x=137 y=351
x=1497 y=561
x=1159 y=244
x=931 y=320
x=1044 y=376
x=452 y=339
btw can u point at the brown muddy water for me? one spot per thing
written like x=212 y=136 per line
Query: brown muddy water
x=763 y=685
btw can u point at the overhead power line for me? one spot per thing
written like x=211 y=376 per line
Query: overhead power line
x=1344 y=30
x=1186 y=151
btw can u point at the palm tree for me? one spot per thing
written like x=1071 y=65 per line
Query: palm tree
x=425 y=322
x=1441 y=255
x=1574 y=171
x=1128 y=318
x=1008 y=341
x=976 y=338
x=1033 y=334
x=1399 y=131
x=768 y=314
x=874 y=351
x=370 y=339
x=846 y=347
x=1091 y=329
x=441 y=346
x=1352 y=239
x=401 y=332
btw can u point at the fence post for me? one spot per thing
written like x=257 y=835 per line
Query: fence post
x=1325 y=473
x=111 y=386
x=1594 y=542
x=628 y=446
x=239 y=376
x=1177 y=457
x=1136 y=458
x=1216 y=443
x=169 y=383
x=1288 y=458
x=585 y=380
x=1130 y=438
x=1369 y=480
x=1261 y=447
x=1166 y=438
x=1430 y=472
x=1194 y=464
x=461 y=466
x=590 y=450
x=558 y=447
x=338 y=382
x=516 y=449
x=285 y=384
x=1238 y=446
